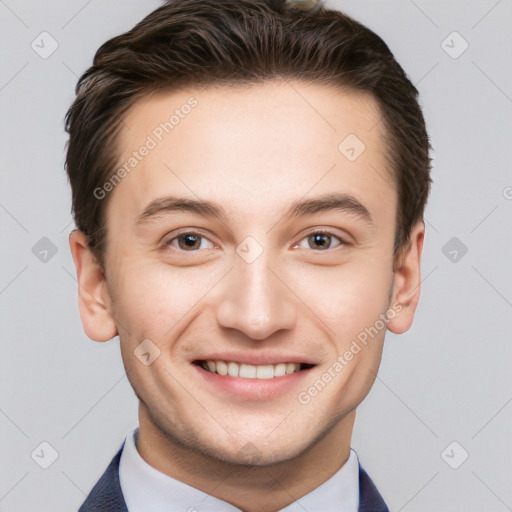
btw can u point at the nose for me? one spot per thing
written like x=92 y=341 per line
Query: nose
x=255 y=300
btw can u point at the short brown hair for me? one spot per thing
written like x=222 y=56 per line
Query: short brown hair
x=187 y=43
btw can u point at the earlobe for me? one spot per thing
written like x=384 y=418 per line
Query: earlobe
x=407 y=282
x=93 y=297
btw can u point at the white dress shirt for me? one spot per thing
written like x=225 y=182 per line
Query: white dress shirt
x=146 y=489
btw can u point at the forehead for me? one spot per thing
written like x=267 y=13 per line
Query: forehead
x=258 y=146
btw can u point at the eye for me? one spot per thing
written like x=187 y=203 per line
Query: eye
x=190 y=242
x=320 y=240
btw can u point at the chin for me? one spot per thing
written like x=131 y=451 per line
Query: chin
x=250 y=454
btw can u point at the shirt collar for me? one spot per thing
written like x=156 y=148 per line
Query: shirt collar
x=145 y=489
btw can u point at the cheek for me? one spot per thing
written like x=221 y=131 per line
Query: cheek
x=348 y=299
x=151 y=299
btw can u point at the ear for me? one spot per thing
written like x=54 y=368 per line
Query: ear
x=407 y=281
x=93 y=296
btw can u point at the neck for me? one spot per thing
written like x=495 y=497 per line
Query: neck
x=250 y=488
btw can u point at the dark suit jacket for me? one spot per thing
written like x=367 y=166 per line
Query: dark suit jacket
x=106 y=495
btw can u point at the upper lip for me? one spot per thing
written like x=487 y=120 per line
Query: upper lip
x=256 y=359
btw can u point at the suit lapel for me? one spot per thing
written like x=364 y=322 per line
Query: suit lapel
x=369 y=498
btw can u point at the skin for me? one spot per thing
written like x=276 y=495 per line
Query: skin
x=253 y=150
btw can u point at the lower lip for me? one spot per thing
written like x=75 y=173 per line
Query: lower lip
x=252 y=389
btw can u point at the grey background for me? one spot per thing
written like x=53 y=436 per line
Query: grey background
x=448 y=379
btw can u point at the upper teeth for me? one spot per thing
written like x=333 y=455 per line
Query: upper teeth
x=249 y=371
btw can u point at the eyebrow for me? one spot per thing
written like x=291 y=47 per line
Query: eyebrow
x=344 y=203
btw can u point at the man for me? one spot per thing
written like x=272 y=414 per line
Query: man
x=249 y=180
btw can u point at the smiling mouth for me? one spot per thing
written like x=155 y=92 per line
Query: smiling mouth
x=249 y=371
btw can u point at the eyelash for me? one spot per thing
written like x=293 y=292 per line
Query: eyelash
x=312 y=233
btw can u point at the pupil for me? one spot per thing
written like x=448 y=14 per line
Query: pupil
x=190 y=240
x=320 y=239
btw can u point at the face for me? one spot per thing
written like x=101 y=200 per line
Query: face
x=254 y=238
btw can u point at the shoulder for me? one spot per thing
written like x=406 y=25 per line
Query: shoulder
x=106 y=495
